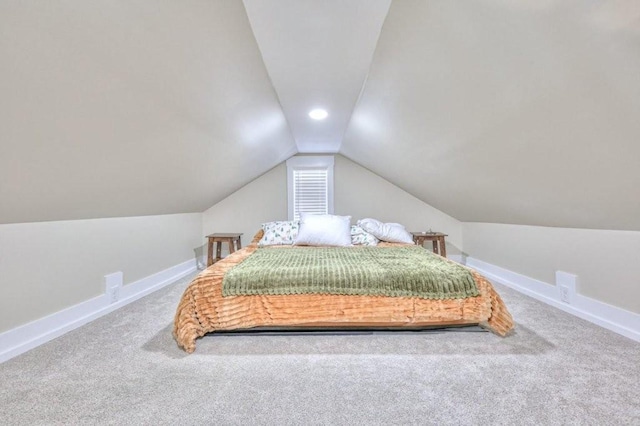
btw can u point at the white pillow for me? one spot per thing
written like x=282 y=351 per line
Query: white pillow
x=369 y=223
x=324 y=230
x=390 y=232
x=283 y=232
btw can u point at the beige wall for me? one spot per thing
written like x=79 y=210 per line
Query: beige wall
x=262 y=200
x=48 y=266
x=607 y=263
x=361 y=193
x=358 y=192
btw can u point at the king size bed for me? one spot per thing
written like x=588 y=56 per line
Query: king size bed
x=263 y=287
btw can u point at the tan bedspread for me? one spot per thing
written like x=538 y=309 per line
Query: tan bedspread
x=203 y=309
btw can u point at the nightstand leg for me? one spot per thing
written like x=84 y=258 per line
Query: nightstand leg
x=435 y=246
x=443 y=247
x=239 y=243
x=218 y=250
x=209 y=252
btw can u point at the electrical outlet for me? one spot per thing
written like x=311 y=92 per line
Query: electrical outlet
x=113 y=284
x=566 y=284
x=114 y=294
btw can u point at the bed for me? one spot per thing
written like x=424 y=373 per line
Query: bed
x=204 y=309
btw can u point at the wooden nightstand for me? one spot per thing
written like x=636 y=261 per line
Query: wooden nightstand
x=437 y=238
x=230 y=239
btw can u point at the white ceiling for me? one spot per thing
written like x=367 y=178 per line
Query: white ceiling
x=317 y=54
x=493 y=110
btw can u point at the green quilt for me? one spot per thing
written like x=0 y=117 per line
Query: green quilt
x=371 y=271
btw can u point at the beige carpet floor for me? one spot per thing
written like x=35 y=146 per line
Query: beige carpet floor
x=125 y=368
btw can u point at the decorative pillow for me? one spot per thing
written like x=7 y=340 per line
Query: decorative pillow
x=324 y=230
x=390 y=232
x=361 y=237
x=279 y=233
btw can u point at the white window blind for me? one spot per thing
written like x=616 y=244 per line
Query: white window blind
x=310 y=192
x=309 y=185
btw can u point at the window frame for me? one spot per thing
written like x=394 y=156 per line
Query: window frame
x=311 y=162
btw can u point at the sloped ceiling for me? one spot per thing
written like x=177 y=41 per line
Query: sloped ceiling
x=120 y=108
x=496 y=111
x=508 y=112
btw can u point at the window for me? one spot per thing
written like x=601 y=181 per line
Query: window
x=310 y=185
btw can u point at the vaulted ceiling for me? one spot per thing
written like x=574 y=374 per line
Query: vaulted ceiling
x=496 y=111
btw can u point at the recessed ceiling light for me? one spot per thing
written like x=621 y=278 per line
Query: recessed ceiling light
x=318 y=114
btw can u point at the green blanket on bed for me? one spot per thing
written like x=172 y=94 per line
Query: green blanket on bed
x=371 y=271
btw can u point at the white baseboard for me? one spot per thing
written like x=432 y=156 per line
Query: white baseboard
x=26 y=337
x=610 y=317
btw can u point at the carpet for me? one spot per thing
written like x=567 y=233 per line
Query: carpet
x=125 y=368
